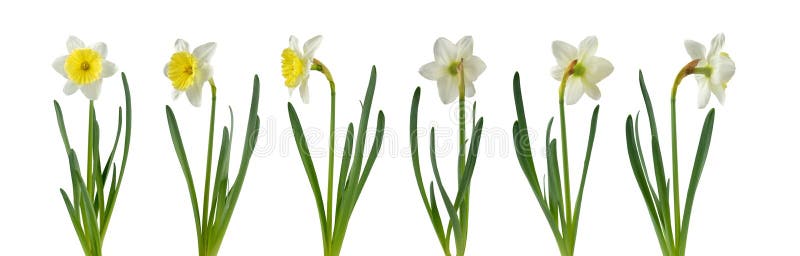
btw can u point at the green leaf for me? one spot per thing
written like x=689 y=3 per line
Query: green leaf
x=579 y=200
x=177 y=142
x=451 y=211
x=114 y=191
x=305 y=157
x=373 y=153
x=638 y=173
x=348 y=154
x=472 y=157
x=76 y=222
x=436 y=220
x=697 y=171
x=61 y=128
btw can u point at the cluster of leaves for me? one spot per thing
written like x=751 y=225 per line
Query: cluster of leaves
x=458 y=209
x=553 y=201
x=352 y=175
x=672 y=242
x=90 y=208
x=215 y=219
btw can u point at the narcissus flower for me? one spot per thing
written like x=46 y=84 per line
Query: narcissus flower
x=84 y=67
x=587 y=72
x=296 y=64
x=189 y=71
x=444 y=68
x=713 y=71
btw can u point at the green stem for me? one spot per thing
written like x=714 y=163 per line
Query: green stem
x=205 y=223
x=89 y=180
x=565 y=157
x=318 y=66
x=685 y=71
x=464 y=208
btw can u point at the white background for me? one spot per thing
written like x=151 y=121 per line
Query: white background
x=746 y=204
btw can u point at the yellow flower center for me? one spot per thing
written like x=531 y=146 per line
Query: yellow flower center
x=83 y=66
x=181 y=70
x=292 y=67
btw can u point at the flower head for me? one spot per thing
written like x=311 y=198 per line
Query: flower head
x=444 y=69
x=296 y=64
x=713 y=71
x=84 y=67
x=587 y=71
x=189 y=71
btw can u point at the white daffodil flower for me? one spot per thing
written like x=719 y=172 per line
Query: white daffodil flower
x=84 y=67
x=713 y=71
x=444 y=68
x=189 y=71
x=296 y=64
x=587 y=72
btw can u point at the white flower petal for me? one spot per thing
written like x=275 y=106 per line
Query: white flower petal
x=304 y=94
x=464 y=48
x=204 y=52
x=704 y=92
x=310 y=47
x=557 y=72
x=469 y=89
x=719 y=92
x=444 y=51
x=591 y=90
x=587 y=47
x=564 y=53
x=166 y=70
x=70 y=87
x=92 y=91
x=109 y=68
x=101 y=48
x=204 y=73
x=574 y=90
x=716 y=45
x=181 y=45
x=58 y=65
x=176 y=93
x=597 y=69
x=195 y=94
x=448 y=89
x=696 y=51
x=473 y=67
x=724 y=68
x=433 y=71
x=74 y=43
x=294 y=44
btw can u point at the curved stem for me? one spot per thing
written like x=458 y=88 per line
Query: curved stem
x=206 y=223
x=318 y=66
x=688 y=69
x=565 y=157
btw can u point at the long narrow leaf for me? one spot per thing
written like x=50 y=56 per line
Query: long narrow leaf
x=697 y=171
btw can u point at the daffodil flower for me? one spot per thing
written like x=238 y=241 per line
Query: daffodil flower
x=444 y=68
x=84 y=67
x=587 y=71
x=713 y=71
x=189 y=71
x=296 y=65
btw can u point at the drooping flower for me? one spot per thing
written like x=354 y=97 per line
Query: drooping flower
x=587 y=72
x=189 y=71
x=296 y=64
x=713 y=71
x=444 y=68
x=84 y=67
